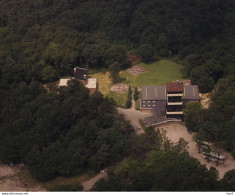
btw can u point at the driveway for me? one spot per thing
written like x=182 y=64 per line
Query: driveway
x=133 y=116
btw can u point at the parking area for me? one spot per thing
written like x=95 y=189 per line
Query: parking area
x=176 y=130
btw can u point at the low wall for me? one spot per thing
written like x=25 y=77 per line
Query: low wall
x=166 y=121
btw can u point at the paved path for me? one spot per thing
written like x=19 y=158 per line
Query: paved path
x=88 y=184
x=132 y=102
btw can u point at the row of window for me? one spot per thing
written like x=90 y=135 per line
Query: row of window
x=147 y=105
x=149 y=101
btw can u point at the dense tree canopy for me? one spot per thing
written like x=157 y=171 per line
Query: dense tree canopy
x=66 y=131
x=37 y=34
x=216 y=124
x=63 y=132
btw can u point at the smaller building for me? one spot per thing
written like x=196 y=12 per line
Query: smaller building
x=92 y=84
x=64 y=82
x=81 y=75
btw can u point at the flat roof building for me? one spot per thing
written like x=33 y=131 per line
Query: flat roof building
x=167 y=101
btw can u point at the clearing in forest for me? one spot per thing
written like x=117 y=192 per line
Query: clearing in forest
x=14 y=178
x=157 y=73
x=104 y=86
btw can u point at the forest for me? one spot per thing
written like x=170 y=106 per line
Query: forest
x=63 y=133
x=42 y=37
x=67 y=131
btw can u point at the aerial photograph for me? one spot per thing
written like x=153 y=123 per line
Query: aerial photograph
x=117 y=96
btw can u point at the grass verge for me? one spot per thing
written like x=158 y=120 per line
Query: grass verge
x=137 y=102
x=142 y=124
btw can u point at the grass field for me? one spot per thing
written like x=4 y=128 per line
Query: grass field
x=104 y=82
x=104 y=85
x=158 y=73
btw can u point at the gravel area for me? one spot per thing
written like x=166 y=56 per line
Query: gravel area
x=135 y=70
x=119 y=88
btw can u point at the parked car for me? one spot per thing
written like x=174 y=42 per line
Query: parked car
x=10 y=163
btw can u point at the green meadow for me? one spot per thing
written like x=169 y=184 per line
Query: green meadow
x=158 y=73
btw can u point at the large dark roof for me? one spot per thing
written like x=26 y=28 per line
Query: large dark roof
x=191 y=92
x=80 y=73
x=175 y=86
x=154 y=93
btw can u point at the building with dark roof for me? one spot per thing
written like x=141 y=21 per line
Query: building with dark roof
x=80 y=73
x=167 y=102
x=174 y=87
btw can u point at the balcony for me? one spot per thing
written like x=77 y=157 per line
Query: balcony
x=174 y=112
x=175 y=95
x=174 y=103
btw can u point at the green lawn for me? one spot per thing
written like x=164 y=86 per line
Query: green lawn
x=120 y=99
x=104 y=82
x=104 y=85
x=158 y=73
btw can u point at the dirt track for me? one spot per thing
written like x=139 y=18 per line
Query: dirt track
x=88 y=184
x=9 y=180
x=177 y=130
